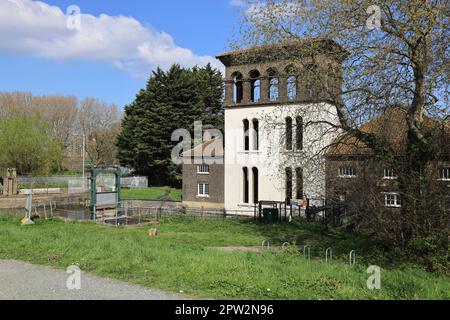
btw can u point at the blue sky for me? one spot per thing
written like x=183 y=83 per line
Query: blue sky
x=117 y=43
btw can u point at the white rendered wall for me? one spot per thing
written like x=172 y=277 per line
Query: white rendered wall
x=272 y=158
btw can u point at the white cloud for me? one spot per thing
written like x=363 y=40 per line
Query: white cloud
x=38 y=29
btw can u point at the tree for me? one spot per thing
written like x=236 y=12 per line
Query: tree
x=27 y=145
x=394 y=53
x=172 y=100
x=99 y=122
x=60 y=112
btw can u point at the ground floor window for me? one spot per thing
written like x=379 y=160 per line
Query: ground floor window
x=203 y=190
x=392 y=200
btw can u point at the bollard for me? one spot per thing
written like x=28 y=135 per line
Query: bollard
x=265 y=244
x=328 y=254
x=307 y=247
x=352 y=257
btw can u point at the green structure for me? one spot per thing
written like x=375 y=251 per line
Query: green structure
x=104 y=199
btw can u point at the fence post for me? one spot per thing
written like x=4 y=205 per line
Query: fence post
x=328 y=254
x=352 y=257
x=307 y=247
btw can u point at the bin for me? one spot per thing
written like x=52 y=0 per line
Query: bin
x=270 y=215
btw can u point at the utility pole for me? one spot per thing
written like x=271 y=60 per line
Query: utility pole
x=84 y=153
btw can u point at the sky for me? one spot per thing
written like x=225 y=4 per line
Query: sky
x=107 y=49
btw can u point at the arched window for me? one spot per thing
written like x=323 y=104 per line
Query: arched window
x=255 y=185
x=238 y=88
x=291 y=87
x=246 y=125
x=288 y=183
x=299 y=133
x=299 y=183
x=273 y=85
x=255 y=84
x=255 y=134
x=245 y=186
x=288 y=133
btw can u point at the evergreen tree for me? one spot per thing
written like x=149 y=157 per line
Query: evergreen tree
x=171 y=100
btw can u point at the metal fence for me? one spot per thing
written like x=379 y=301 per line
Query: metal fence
x=75 y=182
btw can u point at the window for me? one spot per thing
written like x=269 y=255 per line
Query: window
x=288 y=133
x=255 y=84
x=273 y=86
x=203 y=190
x=392 y=200
x=245 y=179
x=347 y=172
x=299 y=183
x=246 y=124
x=388 y=173
x=299 y=134
x=288 y=183
x=444 y=174
x=255 y=134
x=255 y=185
x=238 y=90
x=291 y=87
x=203 y=169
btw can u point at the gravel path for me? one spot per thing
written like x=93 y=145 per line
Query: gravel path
x=24 y=281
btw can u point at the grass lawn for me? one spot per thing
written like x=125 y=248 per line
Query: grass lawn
x=152 y=193
x=182 y=258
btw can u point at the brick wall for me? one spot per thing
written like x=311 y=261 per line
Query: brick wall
x=215 y=179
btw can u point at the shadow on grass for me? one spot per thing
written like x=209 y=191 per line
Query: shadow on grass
x=320 y=237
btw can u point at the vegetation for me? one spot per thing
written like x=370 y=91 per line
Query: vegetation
x=27 y=145
x=182 y=258
x=172 y=100
x=68 y=120
x=152 y=193
x=395 y=53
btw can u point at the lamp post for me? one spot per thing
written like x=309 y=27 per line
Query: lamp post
x=83 y=154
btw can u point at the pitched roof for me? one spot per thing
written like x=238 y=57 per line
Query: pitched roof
x=392 y=126
x=214 y=145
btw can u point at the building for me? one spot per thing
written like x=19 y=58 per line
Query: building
x=275 y=115
x=203 y=177
x=356 y=178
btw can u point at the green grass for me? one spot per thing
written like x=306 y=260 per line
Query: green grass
x=152 y=193
x=180 y=258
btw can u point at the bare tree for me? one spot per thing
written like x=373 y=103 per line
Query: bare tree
x=99 y=122
x=394 y=53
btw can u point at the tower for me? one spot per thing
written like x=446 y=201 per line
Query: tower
x=279 y=104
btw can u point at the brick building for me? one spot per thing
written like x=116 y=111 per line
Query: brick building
x=358 y=179
x=203 y=176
